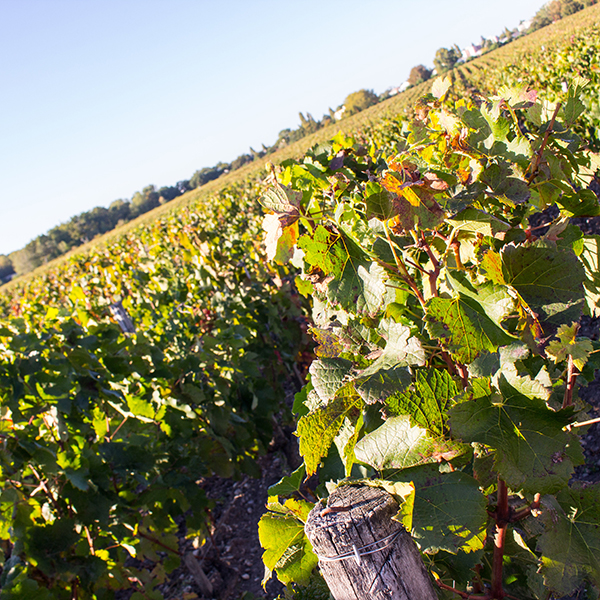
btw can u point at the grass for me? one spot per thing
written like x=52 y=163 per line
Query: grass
x=467 y=75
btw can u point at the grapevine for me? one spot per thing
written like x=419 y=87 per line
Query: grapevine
x=446 y=325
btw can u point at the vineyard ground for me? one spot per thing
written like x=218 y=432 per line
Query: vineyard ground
x=234 y=564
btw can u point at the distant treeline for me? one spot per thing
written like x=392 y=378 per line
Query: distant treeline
x=87 y=225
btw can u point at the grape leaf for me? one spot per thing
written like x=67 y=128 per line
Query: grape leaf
x=568 y=345
x=289 y=484
x=389 y=373
x=328 y=344
x=477 y=221
x=440 y=86
x=583 y=203
x=496 y=302
x=426 y=401
x=318 y=429
x=383 y=383
x=328 y=375
x=533 y=451
x=463 y=328
x=590 y=258
x=288 y=551
x=549 y=279
x=282 y=200
x=570 y=543
x=353 y=281
x=399 y=445
x=449 y=512
x=523 y=383
x=401 y=348
x=280 y=238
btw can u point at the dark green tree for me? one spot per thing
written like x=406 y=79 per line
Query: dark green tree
x=6 y=267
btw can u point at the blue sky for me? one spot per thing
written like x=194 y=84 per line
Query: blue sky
x=100 y=98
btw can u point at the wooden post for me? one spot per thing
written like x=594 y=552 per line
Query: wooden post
x=364 y=554
x=121 y=316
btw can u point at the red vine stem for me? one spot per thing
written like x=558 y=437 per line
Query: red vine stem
x=433 y=275
x=538 y=155
x=502 y=519
x=525 y=512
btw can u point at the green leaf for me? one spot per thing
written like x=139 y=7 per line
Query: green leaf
x=389 y=373
x=534 y=454
x=399 y=445
x=426 y=401
x=288 y=551
x=379 y=202
x=383 y=383
x=449 y=512
x=282 y=199
x=289 y=484
x=514 y=381
x=477 y=221
x=504 y=186
x=583 y=203
x=549 y=279
x=496 y=302
x=328 y=375
x=590 y=258
x=463 y=328
x=570 y=543
x=318 y=429
x=353 y=281
x=402 y=348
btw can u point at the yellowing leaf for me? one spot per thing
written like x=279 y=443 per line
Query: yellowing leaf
x=568 y=345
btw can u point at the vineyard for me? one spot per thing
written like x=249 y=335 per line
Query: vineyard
x=429 y=256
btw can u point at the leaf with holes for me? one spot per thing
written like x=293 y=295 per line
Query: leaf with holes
x=427 y=400
x=533 y=452
x=463 y=328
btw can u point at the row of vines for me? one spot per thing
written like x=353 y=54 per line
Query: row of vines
x=106 y=433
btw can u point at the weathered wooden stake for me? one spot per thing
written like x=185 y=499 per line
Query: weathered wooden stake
x=122 y=317
x=364 y=554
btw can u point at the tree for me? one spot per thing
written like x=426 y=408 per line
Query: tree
x=446 y=58
x=6 y=267
x=205 y=175
x=168 y=193
x=418 y=74
x=360 y=100
x=144 y=201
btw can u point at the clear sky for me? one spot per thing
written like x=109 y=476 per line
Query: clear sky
x=100 y=98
